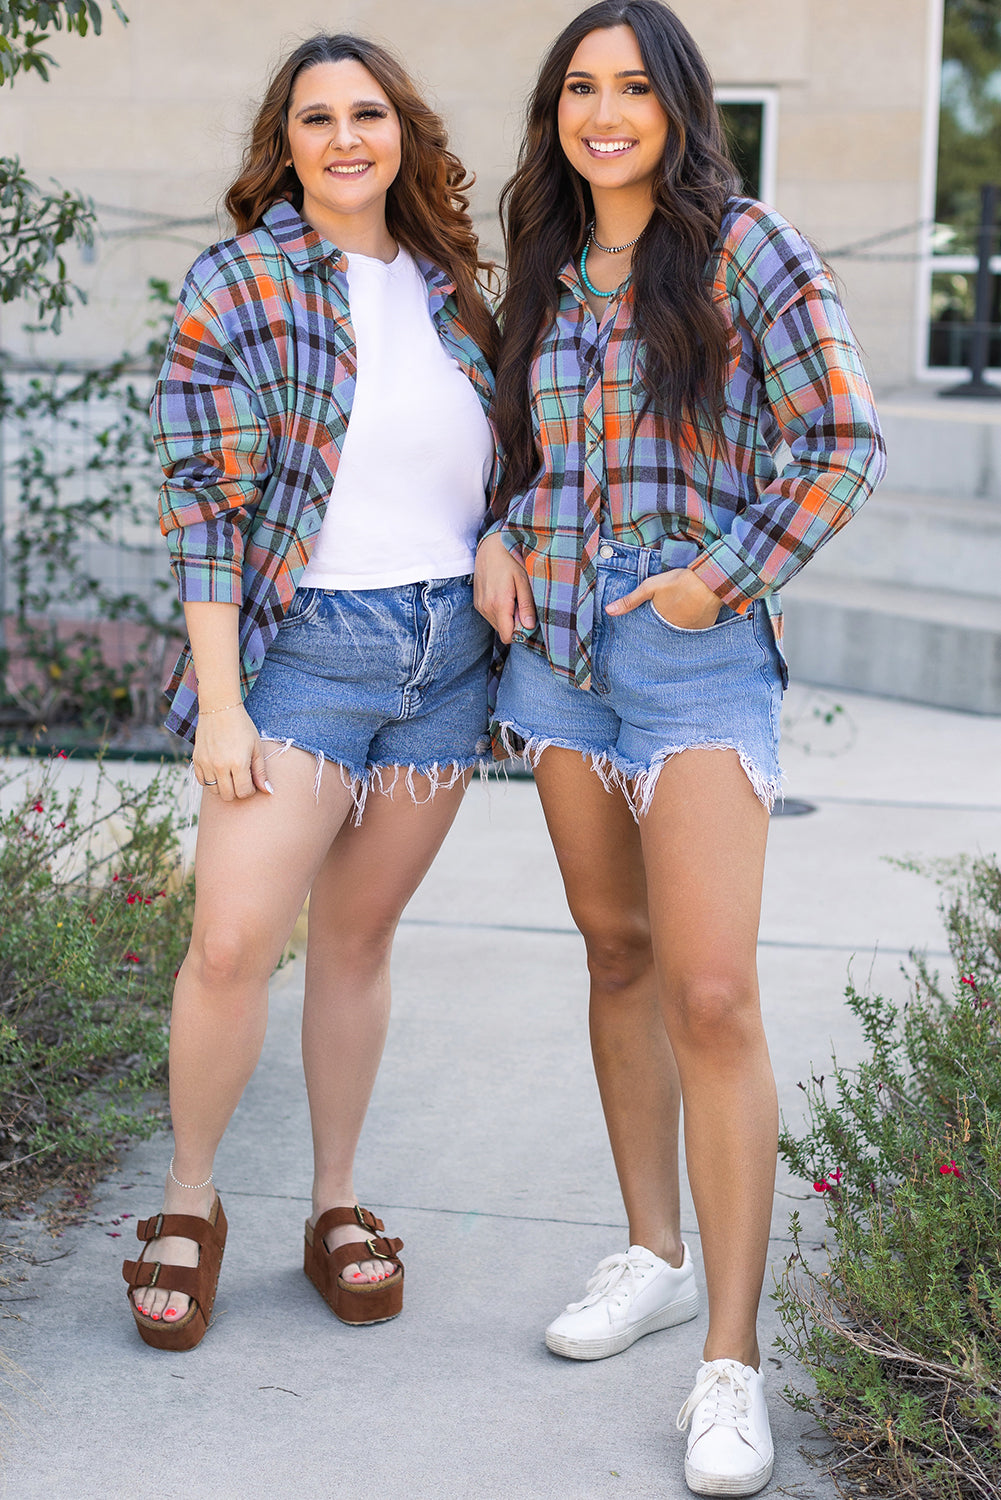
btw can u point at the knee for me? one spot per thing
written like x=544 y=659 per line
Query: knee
x=223 y=958
x=619 y=954
x=713 y=1011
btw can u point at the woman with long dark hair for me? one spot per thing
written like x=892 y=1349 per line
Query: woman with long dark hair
x=321 y=420
x=662 y=337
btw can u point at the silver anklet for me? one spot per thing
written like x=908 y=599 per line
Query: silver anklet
x=193 y=1187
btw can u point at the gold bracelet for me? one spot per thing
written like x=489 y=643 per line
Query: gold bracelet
x=203 y=713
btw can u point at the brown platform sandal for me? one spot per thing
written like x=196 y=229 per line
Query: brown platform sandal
x=197 y=1282
x=368 y=1302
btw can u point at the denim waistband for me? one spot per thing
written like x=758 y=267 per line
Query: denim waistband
x=622 y=557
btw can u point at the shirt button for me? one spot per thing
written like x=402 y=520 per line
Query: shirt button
x=606 y=551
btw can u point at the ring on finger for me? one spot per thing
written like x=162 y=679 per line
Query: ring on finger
x=210 y=783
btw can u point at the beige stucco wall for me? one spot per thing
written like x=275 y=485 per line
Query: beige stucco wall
x=151 y=117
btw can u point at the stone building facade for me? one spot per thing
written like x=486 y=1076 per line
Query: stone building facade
x=148 y=119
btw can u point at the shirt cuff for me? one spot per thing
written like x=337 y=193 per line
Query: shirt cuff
x=207 y=583
x=719 y=567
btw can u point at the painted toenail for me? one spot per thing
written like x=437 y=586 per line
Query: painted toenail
x=171 y=1312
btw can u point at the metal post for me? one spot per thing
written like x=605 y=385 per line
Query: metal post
x=981 y=327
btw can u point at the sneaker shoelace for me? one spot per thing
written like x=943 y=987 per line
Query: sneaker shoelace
x=725 y=1380
x=616 y=1273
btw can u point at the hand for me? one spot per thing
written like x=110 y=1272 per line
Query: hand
x=501 y=589
x=228 y=756
x=678 y=596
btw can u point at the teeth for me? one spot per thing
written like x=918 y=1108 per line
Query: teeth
x=349 y=171
x=607 y=148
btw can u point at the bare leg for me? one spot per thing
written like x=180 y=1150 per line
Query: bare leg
x=704 y=847
x=355 y=904
x=598 y=848
x=254 y=864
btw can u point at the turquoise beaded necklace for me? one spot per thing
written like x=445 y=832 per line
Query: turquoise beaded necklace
x=610 y=250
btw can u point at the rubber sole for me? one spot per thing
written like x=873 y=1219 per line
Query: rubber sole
x=720 y=1484
x=681 y=1311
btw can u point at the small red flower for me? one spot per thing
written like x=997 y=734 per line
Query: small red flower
x=93 y=921
x=823 y=1186
x=38 y=807
x=131 y=958
x=60 y=825
x=837 y=1176
x=62 y=755
x=949 y=1169
x=114 y=878
x=131 y=899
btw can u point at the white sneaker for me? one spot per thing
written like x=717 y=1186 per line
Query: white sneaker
x=730 y=1444
x=628 y=1295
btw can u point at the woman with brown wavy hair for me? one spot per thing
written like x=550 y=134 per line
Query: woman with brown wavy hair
x=321 y=421
x=662 y=336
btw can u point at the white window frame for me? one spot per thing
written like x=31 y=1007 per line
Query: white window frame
x=931 y=264
x=769 y=99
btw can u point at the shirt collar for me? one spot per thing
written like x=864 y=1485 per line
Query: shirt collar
x=295 y=238
x=306 y=248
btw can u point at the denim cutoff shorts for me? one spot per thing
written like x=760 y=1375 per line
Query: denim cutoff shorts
x=656 y=689
x=384 y=683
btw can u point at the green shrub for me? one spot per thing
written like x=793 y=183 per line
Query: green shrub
x=901 y=1330
x=94 y=922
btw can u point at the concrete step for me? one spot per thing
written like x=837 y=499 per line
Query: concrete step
x=930 y=541
x=924 y=645
x=943 y=447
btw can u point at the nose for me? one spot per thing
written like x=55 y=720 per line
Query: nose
x=343 y=136
x=607 y=111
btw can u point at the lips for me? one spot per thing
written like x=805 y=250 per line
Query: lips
x=348 y=168
x=598 y=147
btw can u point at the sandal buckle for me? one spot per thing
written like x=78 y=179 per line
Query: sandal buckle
x=157 y=1227
x=156 y=1274
x=360 y=1215
x=377 y=1253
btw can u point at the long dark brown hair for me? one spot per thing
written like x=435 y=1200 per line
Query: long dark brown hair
x=546 y=208
x=427 y=208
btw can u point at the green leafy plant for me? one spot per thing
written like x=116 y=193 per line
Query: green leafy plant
x=93 y=925
x=24 y=27
x=900 y=1330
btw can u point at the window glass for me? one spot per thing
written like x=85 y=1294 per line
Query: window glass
x=969 y=157
x=743 y=124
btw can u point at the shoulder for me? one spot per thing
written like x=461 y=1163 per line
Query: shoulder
x=224 y=269
x=762 y=258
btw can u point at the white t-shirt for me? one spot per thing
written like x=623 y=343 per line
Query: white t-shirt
x=409 y=495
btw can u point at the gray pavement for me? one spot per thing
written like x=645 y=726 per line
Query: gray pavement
x=485 y=1150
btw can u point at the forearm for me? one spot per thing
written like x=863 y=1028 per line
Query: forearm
x=213 y=630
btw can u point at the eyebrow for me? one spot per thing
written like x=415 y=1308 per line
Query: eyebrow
x=305 y=109
x=629 y=73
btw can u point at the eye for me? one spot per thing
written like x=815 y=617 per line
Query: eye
x=372 y=114
x=316 y=119
x=638 y=88
x=579 y=86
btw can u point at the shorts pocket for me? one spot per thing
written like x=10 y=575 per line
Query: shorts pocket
x=303 y=608
x=727 y=618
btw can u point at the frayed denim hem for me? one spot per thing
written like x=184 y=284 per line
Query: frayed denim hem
x=637 y=783
x=440 y=776
x=640 y=782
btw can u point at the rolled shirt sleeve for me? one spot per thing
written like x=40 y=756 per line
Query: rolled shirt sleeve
x=819 y=398
x=212 y=441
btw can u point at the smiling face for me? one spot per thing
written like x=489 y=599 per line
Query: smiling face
x=344 y=143
x=613 y=128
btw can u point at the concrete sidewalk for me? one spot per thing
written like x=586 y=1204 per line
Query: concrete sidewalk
x=485 y=1150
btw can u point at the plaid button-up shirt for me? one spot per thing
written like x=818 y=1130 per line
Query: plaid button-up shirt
x=249 y=416
x=794 y=377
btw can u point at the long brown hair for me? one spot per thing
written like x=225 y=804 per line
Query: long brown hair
x=547 y=207
x=427 y=208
